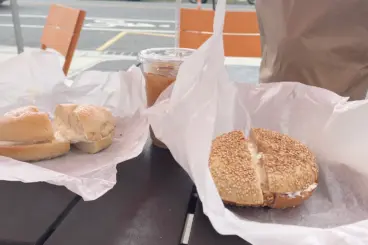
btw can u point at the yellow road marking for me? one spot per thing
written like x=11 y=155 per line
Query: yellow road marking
x=116 y=38
x=111 y=41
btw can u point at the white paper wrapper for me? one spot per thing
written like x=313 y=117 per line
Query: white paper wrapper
x=36 y=78
x=204 y=104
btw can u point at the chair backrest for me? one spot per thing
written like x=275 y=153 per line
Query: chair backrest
x=241 y=33
x=62 y=30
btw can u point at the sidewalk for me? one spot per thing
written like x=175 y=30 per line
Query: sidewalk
x=242 y=68
x=82 y=60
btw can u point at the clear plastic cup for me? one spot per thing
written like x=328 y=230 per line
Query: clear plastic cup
x=160 y=67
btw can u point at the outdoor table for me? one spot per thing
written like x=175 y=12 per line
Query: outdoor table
x=114 y=65
x=203 y=233
x=28 y=212
x=150 y=204
x=150 y=201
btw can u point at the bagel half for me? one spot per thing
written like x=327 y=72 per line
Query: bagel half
x=26 y=125
x=89 y=128
x=27 y=135
x=35 y=152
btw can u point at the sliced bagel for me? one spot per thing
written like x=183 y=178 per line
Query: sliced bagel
x=270 y=169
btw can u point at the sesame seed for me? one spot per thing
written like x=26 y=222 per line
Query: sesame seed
x=232 y=170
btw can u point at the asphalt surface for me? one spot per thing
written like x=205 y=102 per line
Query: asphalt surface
x=111 y=26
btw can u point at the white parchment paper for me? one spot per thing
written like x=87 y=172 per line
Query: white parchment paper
x=204 y=104
x=36 y=78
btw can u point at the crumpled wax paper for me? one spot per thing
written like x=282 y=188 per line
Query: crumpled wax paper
x=204 y=103
x=36 y=78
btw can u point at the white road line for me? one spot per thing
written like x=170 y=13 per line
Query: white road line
x=36 y=16
x=104 y=4
x=164 y=26
x=146 y=31
x=100 y=29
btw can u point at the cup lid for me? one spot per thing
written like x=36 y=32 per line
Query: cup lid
x=164 y=54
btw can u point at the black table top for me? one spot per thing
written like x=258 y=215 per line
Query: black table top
x=114 y=65
x=203 y=233
x=147 y=206
x=29 y=211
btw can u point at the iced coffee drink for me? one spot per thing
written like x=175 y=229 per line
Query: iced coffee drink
x=160 y=67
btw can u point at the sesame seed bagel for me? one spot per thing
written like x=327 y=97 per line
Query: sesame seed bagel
x=268 y=169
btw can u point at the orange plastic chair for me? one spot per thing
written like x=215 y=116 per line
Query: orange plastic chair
x=241 y=33
x=62 y=31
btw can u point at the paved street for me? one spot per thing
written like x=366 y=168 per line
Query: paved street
x=113 y=30
x=111 y=27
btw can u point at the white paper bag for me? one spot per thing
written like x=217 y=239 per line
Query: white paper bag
x=36 y=78
x=204 y=104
